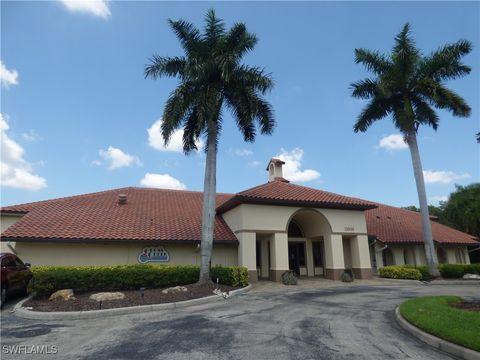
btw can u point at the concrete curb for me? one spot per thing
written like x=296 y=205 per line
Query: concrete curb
x=440 y=344
x=400 y=281
x=22 y=312
x=454 y=282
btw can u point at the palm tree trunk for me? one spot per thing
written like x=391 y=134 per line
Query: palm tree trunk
x=430 y=253
x=208 y=211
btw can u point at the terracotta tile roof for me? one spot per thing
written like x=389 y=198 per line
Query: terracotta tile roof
x=149 y=214
x=395 y=225
x=173 y=215
x=284 y=193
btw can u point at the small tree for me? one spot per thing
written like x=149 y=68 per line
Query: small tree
x=407 y=85
x=212 y=79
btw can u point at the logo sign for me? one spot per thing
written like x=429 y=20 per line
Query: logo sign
x=153 y=254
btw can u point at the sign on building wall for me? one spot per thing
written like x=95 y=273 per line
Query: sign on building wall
x=153 y=254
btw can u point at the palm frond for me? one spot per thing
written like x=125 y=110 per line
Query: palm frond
x=214 y=28
x=444 y=64
x=165 y=66
x=375 y=110
x=364 y=89
x=179 y=104
x=424 y=114
x=372 y=60
x=189 y=36
x=254 y=77
x=239 y=41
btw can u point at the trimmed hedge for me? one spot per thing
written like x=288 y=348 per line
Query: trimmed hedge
x=48 y=279
x=230 y=275
x=423 y=270
x=458 y=270
x=400 y=272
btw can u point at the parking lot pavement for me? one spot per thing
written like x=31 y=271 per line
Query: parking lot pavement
x=343 y=322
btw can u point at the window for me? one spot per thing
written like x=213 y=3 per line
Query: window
x=317 y=254
x=8 y=262
x=18 y=262
x=294 y=230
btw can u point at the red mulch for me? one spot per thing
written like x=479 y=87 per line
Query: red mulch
x=467 y=305
x=132 y=298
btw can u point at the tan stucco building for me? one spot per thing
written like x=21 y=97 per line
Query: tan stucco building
x=271 y=228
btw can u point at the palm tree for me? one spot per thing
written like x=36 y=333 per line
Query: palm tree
x=407 y=85
x=212 y=79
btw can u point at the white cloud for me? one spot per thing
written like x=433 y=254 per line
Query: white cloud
x=155 y=139
x=8 y=77
x=393 y=142
x=443 y=177
x=293 y=163
x=31 y=135
x=94 y=7
x=162 y=181
x=255 y=163
x=15 y=171
x=117 y=158
x=243 y=152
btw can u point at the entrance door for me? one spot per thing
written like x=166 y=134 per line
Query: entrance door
x=296 y=257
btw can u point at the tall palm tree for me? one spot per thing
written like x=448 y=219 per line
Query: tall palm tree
x=407 y=85
x=212 y=79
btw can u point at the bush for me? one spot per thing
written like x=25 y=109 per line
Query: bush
x=289 y=278
x=423 y=270
x=458 y=270
x=399 y=272
x=48 y=279
x=346 y=277
x=230 y=275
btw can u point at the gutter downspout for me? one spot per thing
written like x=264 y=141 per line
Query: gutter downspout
x=470 y=251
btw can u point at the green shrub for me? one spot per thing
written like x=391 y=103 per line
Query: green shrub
x=48 y=279
x=289 y=278
x=230 y=275
x=458 y=270
x=423 y=270
x=346 y=277
x=399 y=272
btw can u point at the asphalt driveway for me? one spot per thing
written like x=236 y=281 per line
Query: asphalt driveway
x=347 y=322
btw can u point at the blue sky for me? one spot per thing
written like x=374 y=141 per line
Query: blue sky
x=78 y=115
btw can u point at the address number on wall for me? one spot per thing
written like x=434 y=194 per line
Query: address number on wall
x=349 y=228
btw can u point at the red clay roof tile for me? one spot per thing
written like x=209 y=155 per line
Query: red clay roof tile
x=284 y=193
x=395 y=225
x=149 y=214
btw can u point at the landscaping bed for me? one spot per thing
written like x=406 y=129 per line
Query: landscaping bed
x=82 y=301
x=447 y=317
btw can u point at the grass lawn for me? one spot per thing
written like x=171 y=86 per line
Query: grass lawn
x=432 y=314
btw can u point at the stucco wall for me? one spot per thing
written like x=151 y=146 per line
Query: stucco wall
x=5 y=222
x=253 y=217
x=109 y=254
x=414 y=254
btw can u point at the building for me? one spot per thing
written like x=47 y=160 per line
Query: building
x=269 y=229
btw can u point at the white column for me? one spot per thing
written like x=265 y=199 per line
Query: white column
x=264 y=257
x=466 y=257
x=247 y=253
x=419 y=253
x=379 y=255
x=334 y=263
x=278 y=255
x=309 y=254
x=451 y=258
x=360 y=252
x=398 y=257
